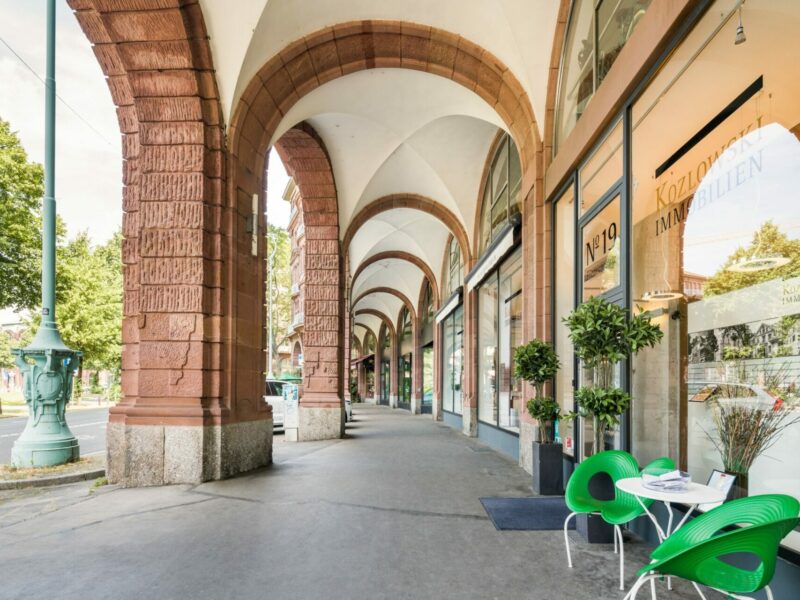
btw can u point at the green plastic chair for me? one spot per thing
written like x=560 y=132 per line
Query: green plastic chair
x=694 y=552
x=659 y=466
x=622 y=509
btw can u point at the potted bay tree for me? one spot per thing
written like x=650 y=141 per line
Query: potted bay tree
x=537 y=363
x=603 y=335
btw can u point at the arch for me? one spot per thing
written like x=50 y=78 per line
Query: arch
x=353 y=46
x=411 y=201
x=385 y=290
x=192 y=348
x=306 y=161
x=376 y=313
x=399 y=255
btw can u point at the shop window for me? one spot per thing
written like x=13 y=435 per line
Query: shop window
x=601 y=248
x=406 y=346
x=501 y=191
x=715 y=253
x=368 y=347
x=426 y=315
x=499 y=333
x=453 y=351
x=453 y=273
x=602 y=169
x=596 y=34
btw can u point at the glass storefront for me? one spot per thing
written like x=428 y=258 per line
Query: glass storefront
x=453 y=352
x=427 y=378
x=704 y=234
x=404 y=368
x=716 y=240
x=499 y=333
x=386 y=365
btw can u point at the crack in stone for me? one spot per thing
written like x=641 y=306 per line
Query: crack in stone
x=212 y=495
x=408 y=511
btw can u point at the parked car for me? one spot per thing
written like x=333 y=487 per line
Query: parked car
x=273 y=395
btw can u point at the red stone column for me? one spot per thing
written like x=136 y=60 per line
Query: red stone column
x=181 y=420
x=416 y=365
x=438 y=364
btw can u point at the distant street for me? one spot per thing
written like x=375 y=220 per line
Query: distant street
x=89 y=426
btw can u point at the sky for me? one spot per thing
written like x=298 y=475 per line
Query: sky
x=88 y=148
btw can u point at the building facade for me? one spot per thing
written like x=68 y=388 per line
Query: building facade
x=456 y=196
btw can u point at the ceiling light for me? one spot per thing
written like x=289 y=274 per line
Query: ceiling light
x=756 y=262
x=660 y=296
x=741 y=38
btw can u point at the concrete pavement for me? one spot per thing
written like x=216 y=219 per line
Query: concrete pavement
x=88 y=425
x=391 y=512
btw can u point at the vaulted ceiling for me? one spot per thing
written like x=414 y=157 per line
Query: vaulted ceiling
x=391 y=131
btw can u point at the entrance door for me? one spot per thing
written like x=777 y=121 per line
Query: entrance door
x=427 y=379
x=385 y=382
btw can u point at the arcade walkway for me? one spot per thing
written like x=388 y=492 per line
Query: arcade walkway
x=388 y=513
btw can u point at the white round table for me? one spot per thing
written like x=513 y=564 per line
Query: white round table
x=694 y=495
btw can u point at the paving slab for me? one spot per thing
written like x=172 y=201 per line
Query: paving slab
x=391 y=512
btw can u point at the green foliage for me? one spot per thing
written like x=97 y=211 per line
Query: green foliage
x=605 y=405
x=89 y=300
x=21 y=190
x=536 y=362
x=77 y=390
x=354 y=397
x=279 y=242
x=602 y=333
x=546 y=411
x=768 y=240
x=6 y=358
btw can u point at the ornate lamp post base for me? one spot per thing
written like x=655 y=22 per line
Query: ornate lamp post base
x=48 y=373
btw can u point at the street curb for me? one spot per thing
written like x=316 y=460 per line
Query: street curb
x=16 y=484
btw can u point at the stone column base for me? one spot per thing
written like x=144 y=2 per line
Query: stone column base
x=526 y=437
x=393 y=401
x=318 y=423
x=143 y=455
x=416 y=405
x=470 y=421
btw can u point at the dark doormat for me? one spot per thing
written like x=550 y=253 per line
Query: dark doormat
x=541 y=513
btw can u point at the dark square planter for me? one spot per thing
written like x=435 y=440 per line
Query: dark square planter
x=594 y=529
x=548 y=471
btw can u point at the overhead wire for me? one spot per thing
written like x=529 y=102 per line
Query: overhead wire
x=64 y=102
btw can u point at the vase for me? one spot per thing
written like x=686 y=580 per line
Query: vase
x=739 y=489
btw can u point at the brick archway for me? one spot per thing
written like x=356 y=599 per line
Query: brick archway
x=386 y=290
x=410 y=201
x=306 y=160
x=399 y=255
x=345 y=48
x=192 y=373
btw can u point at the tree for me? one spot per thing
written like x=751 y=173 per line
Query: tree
x=6 y=358
x=89 y=300
x=278 y=240
x=768 y=240
x=21 y=190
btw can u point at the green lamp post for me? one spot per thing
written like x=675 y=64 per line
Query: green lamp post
x=47 y=364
